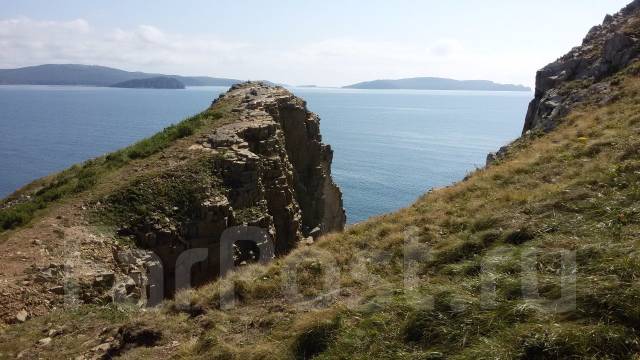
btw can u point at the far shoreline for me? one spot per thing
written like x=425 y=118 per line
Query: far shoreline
x=318 y=87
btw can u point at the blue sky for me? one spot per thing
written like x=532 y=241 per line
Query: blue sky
x=302 y=42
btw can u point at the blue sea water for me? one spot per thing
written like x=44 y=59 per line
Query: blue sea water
x=390 y=146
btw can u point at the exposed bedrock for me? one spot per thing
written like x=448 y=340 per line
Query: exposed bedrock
x=271 y=170
x=586 y=73
x=605 y=50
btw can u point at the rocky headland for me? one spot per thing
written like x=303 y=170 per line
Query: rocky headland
x=533 y=257
x=257 y=159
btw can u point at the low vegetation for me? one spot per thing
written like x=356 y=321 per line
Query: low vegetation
x=534 y=257
x=20 y=208
x=162 y=198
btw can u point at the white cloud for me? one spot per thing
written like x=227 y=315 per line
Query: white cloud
x=335 y=61
x=24 y=41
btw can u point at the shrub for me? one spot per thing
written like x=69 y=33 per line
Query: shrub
x=161 y=140
x=12 y=218
x=87 y=178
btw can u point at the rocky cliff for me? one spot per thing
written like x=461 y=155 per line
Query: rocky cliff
x=267 y=169
x=534 y=257
x=585 y=74
x=115 y=227
x=606 y=49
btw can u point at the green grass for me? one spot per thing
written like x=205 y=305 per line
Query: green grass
x=315 y=338
x=574 y=190
x=160 y=196
x=72 y=181
x=161 y=140
x=80 y=178
x=553 y=193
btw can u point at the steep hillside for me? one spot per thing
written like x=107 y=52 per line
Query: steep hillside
x=533 y=257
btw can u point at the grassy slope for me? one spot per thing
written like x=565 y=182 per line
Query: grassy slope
x=573 y=189
x=105 y=173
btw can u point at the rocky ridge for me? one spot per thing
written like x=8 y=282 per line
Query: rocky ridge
x=532 y=258
x=584 y=74
x=264 y=165
x=273 y=172
x=606 y=49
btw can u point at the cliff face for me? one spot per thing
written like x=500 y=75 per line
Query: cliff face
x=606 y=49
x=267 y=169
x=255 y=158
x=273 y=172
x=535 y=257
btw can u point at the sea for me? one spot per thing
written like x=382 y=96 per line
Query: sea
x=390 y=146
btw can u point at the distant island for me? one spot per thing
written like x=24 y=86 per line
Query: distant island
x=92 y=75
x=435 y=83
x=160 y=82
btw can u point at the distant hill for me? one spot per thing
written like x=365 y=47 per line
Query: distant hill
x=434 y=83
x=160 y=82
x=92 y=75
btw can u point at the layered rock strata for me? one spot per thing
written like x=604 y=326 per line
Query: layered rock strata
x=272 y=171
x=256 y=159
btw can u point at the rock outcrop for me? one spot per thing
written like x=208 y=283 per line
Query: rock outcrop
x=583 y=74
x=278 y=131
x=606 y=49
x=255 y=159
x=269 y=169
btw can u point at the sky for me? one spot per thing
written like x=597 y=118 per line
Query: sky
x=302 y=42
